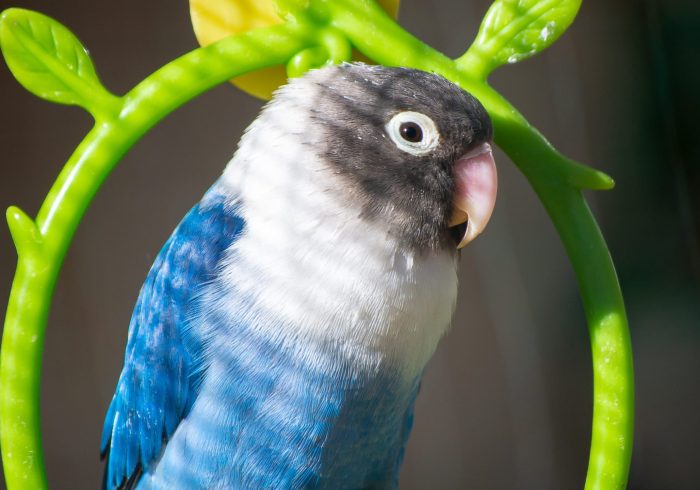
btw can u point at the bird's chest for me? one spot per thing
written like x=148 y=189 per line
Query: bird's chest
x=312 y=265
x=347 y=285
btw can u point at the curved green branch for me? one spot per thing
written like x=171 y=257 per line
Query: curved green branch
x=316 y=31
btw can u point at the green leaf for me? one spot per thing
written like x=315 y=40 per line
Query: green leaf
x=49 y=61
x=514 y=30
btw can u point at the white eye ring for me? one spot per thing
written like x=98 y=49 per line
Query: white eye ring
x=430 y=133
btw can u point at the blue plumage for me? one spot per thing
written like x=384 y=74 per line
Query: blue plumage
x=157 y=385
x=266 y=418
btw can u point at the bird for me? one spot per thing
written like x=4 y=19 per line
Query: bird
x=280 y=337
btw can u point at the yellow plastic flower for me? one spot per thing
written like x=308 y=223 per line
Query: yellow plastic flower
x=215 y=19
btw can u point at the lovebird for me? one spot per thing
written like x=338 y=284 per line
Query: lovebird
x=281 y=334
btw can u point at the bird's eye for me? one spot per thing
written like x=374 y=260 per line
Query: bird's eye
x=413 y=132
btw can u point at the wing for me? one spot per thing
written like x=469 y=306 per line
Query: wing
x=156 y=386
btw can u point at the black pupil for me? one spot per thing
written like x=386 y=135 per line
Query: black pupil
x=410 y=131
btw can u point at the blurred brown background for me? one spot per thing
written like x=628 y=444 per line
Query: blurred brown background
x=506 y=402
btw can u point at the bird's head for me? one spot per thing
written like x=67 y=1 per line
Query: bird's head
x=408 y=150
x=412 y=147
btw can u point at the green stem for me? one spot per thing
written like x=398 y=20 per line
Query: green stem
x=613 y=377
x=64 y=207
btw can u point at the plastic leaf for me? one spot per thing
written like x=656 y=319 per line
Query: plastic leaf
x=48 y=60
x=514 y=30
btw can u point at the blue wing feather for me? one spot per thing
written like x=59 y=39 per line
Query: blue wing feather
x=156 y=387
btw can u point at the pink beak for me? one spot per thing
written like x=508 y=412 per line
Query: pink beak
x=476 y=183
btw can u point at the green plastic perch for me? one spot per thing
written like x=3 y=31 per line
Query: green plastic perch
x=50 y=62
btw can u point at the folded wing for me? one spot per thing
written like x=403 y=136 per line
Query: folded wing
x=159 y=381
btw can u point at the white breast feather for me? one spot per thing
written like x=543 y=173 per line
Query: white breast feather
x=311 y=264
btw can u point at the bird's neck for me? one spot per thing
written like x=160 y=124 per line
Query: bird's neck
x=313 y=269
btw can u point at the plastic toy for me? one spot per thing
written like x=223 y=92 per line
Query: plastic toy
x=49 y=61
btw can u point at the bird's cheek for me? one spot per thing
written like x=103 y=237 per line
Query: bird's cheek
x=476 y=184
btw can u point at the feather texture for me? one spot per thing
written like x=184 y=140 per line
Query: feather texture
x=156 y=386
x=269 y=417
